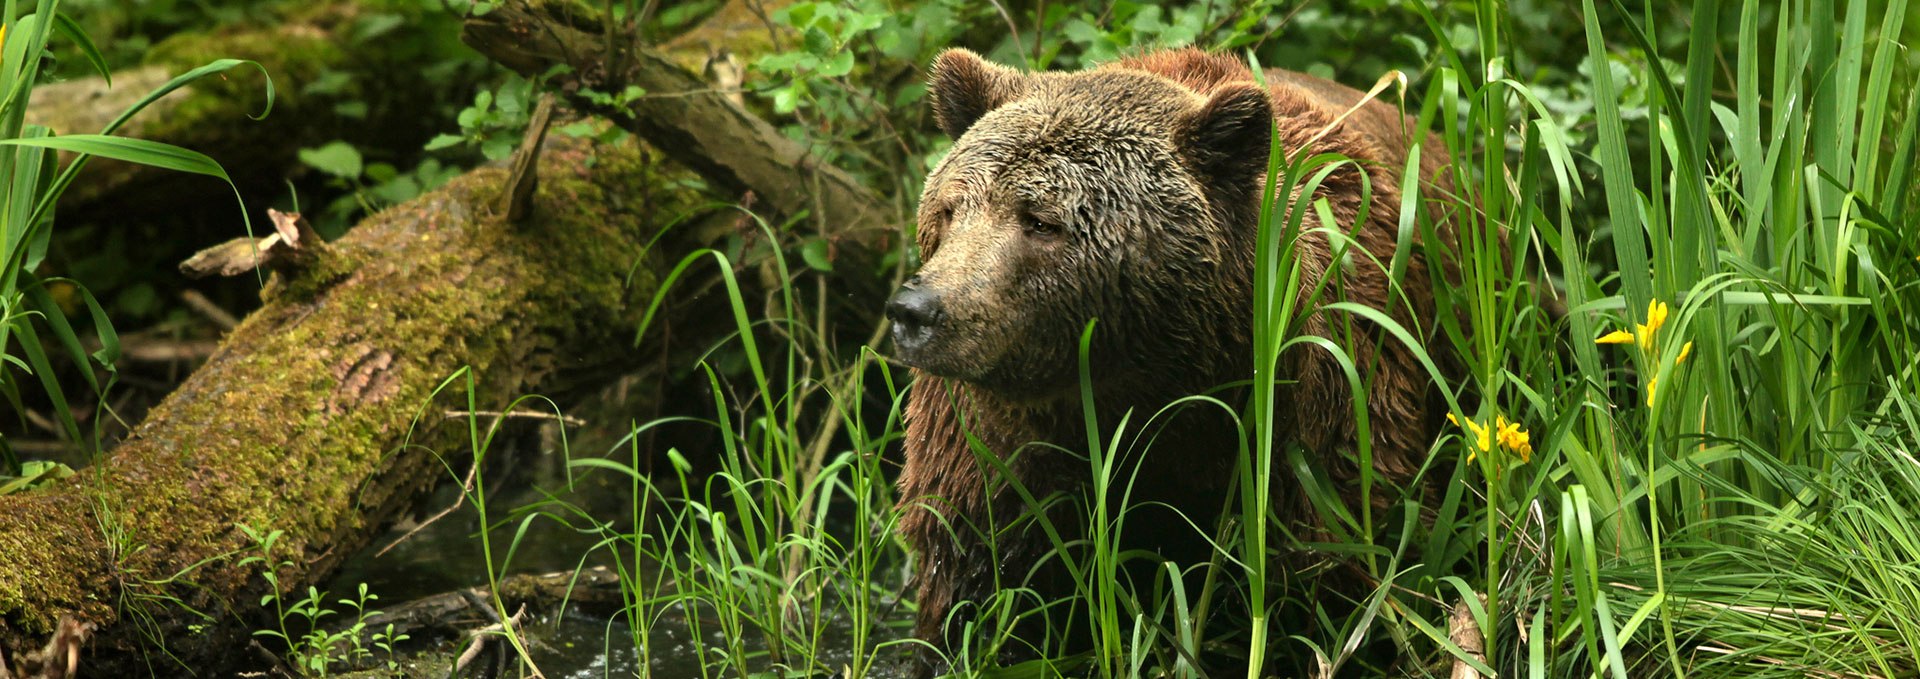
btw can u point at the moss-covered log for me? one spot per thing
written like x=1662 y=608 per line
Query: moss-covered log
x=331 y=82
x=318 y=415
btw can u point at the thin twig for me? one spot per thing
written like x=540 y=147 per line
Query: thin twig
x=466 y=487
x=199 y=303
x=568 y=420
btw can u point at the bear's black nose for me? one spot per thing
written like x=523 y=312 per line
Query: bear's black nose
x=915 y=312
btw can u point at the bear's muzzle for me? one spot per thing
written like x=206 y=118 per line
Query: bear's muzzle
x=916 y=314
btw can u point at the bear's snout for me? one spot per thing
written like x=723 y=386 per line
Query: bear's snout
x=916 y=313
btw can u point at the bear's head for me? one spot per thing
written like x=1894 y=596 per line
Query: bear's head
x=1111 y=194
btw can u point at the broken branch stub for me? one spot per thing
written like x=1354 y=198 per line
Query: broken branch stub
x=524 y=176
x=292 y=247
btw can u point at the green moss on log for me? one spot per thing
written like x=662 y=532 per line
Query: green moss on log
x=318 y=417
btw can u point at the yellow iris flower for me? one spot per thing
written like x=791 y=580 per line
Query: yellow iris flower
x=1507 y=434
x=1643 y=335
x=1657 y=312
x=1656 y=315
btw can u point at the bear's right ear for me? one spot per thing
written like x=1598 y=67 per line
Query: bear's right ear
x=1229 y=136
x=966 y=87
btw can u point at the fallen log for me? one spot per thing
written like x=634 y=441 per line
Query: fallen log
x=596 y=591
x=318 y=416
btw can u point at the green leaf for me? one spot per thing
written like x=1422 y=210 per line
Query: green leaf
x=818 y=42
x=442 y=141
x=814 y=251
x=1616 y=168
x=838 y=65
x=35 y=474
x=400 y=190
x=44 y=207
x=799 y=14
x=909 y=94
x=214 y=67
x=376 y=25
x=861 y=22
x=573 y=130
x=328 y=83
x=786 y=99
x=140 y=151
x=78 y=35
x=680 y=14
x=351 y=109
x=497 y=149
x=778 y=63
x=336 y=158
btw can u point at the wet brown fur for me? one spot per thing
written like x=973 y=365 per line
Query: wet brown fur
x=1156 y=185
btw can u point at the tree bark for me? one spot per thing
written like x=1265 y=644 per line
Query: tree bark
x=322 y=414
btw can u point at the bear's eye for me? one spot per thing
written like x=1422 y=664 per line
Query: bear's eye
x=1036 y=226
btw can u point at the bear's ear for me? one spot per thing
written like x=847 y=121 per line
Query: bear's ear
x=965 y=87
x=1228 y=137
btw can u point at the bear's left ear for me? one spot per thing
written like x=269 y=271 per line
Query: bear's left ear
x=966 y=87
x=1228 y=137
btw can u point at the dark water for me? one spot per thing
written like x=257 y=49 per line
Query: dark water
x=446 y=555
x=579 y=647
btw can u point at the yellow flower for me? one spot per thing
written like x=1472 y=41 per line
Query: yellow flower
x=1481 y=436
x=1615 y=337
x=1650 y=387
x=1642 y=332
x=1507 y=434
x=1685 y=350
x=1521 y=444
x=1513 y=438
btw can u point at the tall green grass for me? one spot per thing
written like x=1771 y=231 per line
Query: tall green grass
x=1768 y=220
x=32 y=178
x=1746 y=511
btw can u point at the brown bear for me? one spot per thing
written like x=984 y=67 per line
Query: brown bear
x=1129 y=193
